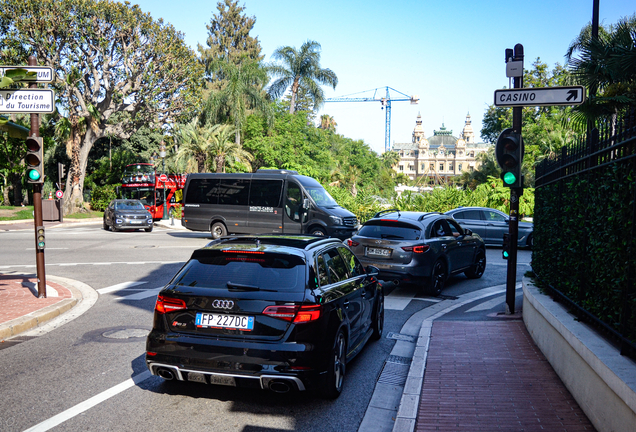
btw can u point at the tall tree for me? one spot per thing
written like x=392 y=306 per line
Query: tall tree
x=327 y=122
x=301 y=68
x=228 y=39
x=224 y=150
x=240 y=96
x=194 y=144
x=115 y=69
x=607 y=64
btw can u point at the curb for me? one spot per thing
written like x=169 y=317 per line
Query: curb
x=39 y=318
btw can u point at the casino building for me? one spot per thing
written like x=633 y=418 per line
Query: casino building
x=441 y=156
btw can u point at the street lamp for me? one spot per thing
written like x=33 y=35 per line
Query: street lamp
x=162 y=155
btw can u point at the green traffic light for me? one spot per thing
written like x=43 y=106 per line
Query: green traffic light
x=509 y=178
x=34 y=174
x=505 y=254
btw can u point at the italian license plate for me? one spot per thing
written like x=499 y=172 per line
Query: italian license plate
x=135 y=221
x=222 y=380
x=379 y=252
x=224 y=321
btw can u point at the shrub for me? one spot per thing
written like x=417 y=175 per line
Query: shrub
x=102 y=196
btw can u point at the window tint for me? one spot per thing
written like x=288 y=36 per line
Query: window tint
x=353 y=265
x=471 y=214
x=390 y=230
x=493 y=216
x=234 y=192
x=293 y=201
x=455 y=228
x=336 y=266
x=279 y=272
x=202 y=191
x=323 y=275
x=440 y=229
x=266 y=193
x=459 y=215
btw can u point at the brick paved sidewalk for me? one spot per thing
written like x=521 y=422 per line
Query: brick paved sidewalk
x=490 y=376
x=22 y=309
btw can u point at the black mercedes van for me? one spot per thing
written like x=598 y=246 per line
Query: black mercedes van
x=267 y=201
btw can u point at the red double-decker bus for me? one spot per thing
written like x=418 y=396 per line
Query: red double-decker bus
x=140 y=181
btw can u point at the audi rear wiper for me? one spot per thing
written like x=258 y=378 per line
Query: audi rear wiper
x=242 y=287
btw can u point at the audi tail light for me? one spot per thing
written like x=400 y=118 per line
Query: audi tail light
x=294 y=313
x=168 y=304
x=416 y=249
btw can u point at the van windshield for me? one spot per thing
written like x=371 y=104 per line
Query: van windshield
x=321 y=197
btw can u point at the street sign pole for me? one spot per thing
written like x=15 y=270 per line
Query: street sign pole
x=515 y=194
x=37 y=203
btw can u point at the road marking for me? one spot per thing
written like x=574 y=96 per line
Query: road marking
x=89 y=403
x=487 y=305
x=400 y=297
x=120 y=286
x=142 y=295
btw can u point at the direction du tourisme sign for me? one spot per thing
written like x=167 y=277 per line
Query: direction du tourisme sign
x=540 y=96
x=27 y=101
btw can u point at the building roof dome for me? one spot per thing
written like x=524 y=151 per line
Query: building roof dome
x=444 y=137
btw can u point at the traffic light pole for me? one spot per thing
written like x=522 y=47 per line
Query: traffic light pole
x=37 y=203
x=515 y=194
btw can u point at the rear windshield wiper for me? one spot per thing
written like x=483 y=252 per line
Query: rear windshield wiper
x=392 y=236
x=241 y=287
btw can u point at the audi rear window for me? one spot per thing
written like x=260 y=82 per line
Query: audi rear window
x=243 y=271
x=390 y=230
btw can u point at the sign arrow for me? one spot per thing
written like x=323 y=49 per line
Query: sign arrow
x=572 y=94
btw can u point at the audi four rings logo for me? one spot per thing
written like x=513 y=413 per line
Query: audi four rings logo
x=223 y=304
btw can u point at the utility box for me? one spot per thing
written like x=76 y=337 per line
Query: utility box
x=52 y=210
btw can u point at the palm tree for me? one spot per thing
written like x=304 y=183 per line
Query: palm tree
x=390 y=158
x=301 y=68
x=608 y=64
x=224 y=150
x=194 y=143
x=328 y=123
x=240 y=96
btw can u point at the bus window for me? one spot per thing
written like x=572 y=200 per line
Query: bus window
x=203 y=191
x=266 y=193
x=234 y=192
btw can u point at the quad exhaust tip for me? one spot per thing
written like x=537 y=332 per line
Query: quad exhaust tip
x=166 y=374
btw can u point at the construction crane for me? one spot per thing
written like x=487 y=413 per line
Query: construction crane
x=386 y=103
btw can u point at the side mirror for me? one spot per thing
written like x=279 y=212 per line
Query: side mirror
x=372 y=270
x=467 y=231
x=306 y=203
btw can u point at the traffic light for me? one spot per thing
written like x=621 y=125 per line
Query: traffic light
x=40 y=241
x=509 y=152
x=35 y=160
x=505 y=248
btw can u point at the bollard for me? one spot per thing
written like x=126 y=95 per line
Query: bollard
x=171 y=220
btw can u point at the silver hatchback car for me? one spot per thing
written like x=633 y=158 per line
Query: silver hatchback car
x=491 y=224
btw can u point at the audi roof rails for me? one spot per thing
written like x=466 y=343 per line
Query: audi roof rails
x=387 y=211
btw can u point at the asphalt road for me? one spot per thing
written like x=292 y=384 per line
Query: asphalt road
x=78 y=377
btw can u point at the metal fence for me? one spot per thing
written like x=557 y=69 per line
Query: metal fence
x=585 y=228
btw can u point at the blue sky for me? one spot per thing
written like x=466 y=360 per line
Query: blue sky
x=449 y=53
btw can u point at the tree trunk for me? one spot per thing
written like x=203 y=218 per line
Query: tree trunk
x=74 y=193
x=294 y=93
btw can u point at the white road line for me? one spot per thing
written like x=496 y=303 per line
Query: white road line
x=142 y=295
x=89 y=403
x=120 y=286
x=487 y=305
